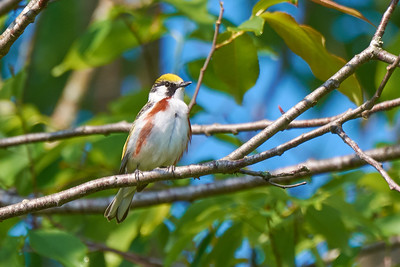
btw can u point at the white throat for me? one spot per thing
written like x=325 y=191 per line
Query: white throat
x=161 y=93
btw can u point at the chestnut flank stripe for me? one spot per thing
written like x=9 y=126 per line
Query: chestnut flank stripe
x=146 y=130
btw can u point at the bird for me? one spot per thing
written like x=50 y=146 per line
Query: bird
x=158 y=138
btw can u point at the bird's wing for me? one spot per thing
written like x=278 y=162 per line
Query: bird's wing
x=125 y=156
x=125 y=153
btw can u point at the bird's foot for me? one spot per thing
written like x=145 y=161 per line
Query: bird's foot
x=171 y=169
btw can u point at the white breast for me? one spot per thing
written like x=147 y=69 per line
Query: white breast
x=167 y=141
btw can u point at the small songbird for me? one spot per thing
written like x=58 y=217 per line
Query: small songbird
x=158 y=138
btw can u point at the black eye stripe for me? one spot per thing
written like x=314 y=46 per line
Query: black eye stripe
x=170 y=86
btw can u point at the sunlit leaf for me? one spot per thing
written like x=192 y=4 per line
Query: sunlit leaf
x=389 y=225
x=107 y=39
x=310 y=46
x=58 y=245
x=263 y=5
x=254 y=24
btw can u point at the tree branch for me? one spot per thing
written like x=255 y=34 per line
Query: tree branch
x=14 y=31
x=378 y=166
x=123 y=126
x=310 y=100
x=186 y=193
x=208 y=59
x=129 y=256
x=337 y=128
x=376 y=40
x=8 y=5
x=385 y=56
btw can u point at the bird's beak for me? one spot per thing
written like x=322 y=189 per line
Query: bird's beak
x=184 y=84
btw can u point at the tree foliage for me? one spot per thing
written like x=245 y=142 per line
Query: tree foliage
x=116 y=50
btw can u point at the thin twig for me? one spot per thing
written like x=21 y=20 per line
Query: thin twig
x=337 y=128
x=376 y=40
x=123 y=126
x=385 y=56
x=378 y=166
x=208 y=59
x=267 y=176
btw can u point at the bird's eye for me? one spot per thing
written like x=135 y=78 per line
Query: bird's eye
x=167 y=84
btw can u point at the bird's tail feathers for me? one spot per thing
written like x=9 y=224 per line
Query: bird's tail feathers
x=119 y=206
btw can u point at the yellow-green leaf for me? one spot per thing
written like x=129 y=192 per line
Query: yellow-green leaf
x=263 y=5
x=254 y=24
x=310 y=46
x=351 y=11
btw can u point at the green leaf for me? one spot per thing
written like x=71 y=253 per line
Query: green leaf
x=254 y=24
x=141 y=222
x=55 y=32
x=310 y=46
x=347 y=10
x=58 y=245
x=352 y=217
x=198 y=259
x=107 y=39
x=210 y=78
x=327 y=222
x=10 y=251
x=389 y=225
x=234 y=67
x=198 y=216
x=223 y=253
x=195 y=10
x=283 y=241
x=18 y=159
x=14 y=86
x=263 y=5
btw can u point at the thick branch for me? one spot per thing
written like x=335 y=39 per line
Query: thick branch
x=14 y=31
x=58 y=199
x=310 y=100
x=190 y=193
